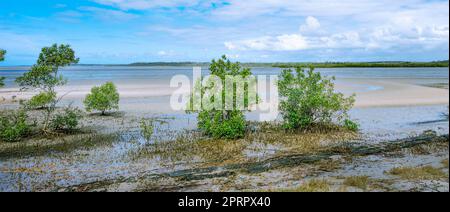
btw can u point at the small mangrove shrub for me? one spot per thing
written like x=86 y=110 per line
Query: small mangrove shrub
x=44 y=76
x=2 y=57
x=225 y=119
x=14 y=126
x=216 y=125
x=103 y=98
x=351 y=125
x=2 y=81
x=147 y=129
x=307 y=98
x=66 y=121
x=41 y=101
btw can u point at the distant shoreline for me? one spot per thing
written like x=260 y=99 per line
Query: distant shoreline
x=438 y=64
x=381 y=64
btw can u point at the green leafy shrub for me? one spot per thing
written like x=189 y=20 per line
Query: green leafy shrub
x=66 y=121
x=351 y=125
x=14 y=126
x=225 y=122
x=103 y=98
x=44 y=76
x=147 y=129
x=40 y=101
x=2 y=81
x=2 y=57
x=307 y=98
x=215 y=125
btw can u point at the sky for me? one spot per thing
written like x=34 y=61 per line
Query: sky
x=127 y=31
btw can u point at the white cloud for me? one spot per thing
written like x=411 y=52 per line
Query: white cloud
x=232 y=56
x=146 y=4
x=107 y=14
x=162 y=53
x=287 y=42
x=231 y=46
x=315 y=27
x=341 y=40
x=439 y=31
x=290 y=43
x=418 y=26
x=362 y=24
x=310 y=25
x=71 y=16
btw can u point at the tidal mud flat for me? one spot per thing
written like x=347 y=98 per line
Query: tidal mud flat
x=353 y=168
x=178 y=158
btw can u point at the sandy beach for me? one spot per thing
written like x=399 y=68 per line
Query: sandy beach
x=369 y=93
x=399 y=93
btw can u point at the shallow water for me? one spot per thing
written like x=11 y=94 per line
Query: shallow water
x=88 y=75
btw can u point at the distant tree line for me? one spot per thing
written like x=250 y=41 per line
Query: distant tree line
x=388 y=64
x=381 y=64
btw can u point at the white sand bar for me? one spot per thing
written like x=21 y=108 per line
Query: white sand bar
x=369 y=93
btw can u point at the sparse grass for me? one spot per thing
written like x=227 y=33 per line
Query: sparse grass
x=328 y=165
x=428 y=148
x=445 y=163
x=42 y=146
x=313 y=186
x=308 y=141
x=191 y=146
x=419 y=150
x=418 y=173
x=361 y=182
x=147 y=129
x=437 y=85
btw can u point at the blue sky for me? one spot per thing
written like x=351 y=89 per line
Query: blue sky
x=126 y=31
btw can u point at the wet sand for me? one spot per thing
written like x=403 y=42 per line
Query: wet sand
x=398 y=93
x=156 y=97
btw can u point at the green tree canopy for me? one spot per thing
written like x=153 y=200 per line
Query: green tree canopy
x=102 y=98
x=2 y=57
x=308 y=98
x=224 y=122
x=2 y=54
x=57 y=56
x=44 y=74
x=45 y=77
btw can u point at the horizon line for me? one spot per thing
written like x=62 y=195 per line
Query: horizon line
x=192 y=62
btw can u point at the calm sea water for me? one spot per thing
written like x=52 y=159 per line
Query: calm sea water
x=90 y=74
